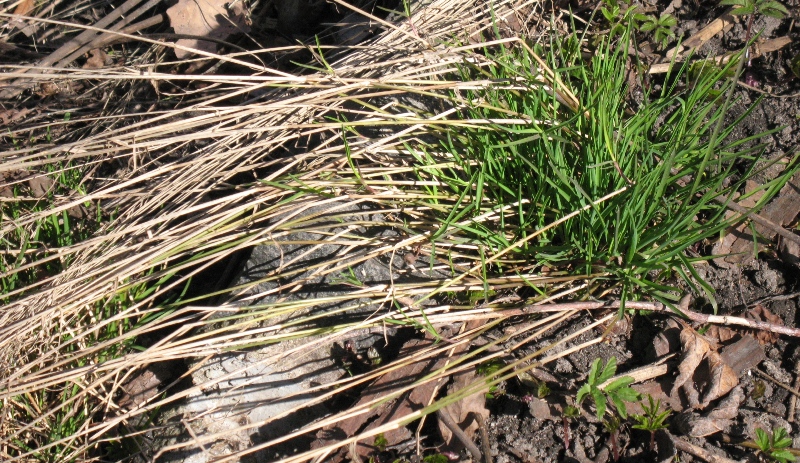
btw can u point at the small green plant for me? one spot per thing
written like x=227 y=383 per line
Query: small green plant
x=436 y=458
x=662 y=27
x=570 y=412
x=618 y=14
x=612 y=425
x=771 y=8
x=775 y=445
x=617 y=391
x=380 y=442
x=488 y=369
x=652 y=420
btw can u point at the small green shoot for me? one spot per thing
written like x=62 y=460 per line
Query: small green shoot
x=775 y=445
x=380 y=442
x=770 y=8
x=652 y=420
x=617 y=391
x=488 y=370
x=662 y=27
x=435 y=458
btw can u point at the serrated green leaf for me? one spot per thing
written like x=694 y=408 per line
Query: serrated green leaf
x=619 y=383
x=627 y=394
x=648 y=26
x=622 y=409
x=783 y=456
x=599 y=402
x=773 y=5
x=762 y=439
x=667 y=20
x=582 y=392
x=608 y=371
x=731 y=2
x=745 y=10
x=593 y=372
x=781 y=439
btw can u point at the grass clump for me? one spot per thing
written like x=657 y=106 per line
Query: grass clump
x=651 y=177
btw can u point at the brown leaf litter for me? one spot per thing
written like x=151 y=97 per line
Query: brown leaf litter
x=209 y=18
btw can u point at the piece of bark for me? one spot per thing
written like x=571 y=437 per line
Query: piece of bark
x=743 y=355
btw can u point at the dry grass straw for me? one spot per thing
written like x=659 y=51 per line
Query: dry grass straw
x=176 y=214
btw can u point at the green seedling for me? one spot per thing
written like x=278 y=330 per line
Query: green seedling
x=751 y=8
x=770 y=8
x=570 y=413
x=617 y=391
x=380 y=442
x=488 y=370
x=612 y=425
x=652 y=420
x=775 y=445
x=662 y=27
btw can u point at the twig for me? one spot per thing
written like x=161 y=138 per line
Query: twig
x=659 y=307
x=699 y=452
x=487 y=451
x=459 y=433
x=780 y=297
x=777 y=383
x=760 y=220
x=793 y=398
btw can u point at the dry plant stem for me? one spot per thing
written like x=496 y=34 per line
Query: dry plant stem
x=699 y=452
x=793 y=399
x=788 y=388
x=459 y=433
x=659 y=307
x=777 y=228
x=83 y=38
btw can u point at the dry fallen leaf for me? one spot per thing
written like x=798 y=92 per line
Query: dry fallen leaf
x=408 y=402
x=97 y=60
x=205 y=18
x=714 y=421
x=461 y=410
x=701 y=371
x=762 y=314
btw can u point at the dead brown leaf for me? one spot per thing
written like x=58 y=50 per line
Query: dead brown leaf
x=205 y=18
x=695 y=425
x=24 y=7
x=97 y=60
x=762 y=314
x=701 y=371
x=139 y=389
x=461 y=411
x=9 y=116
x=410 y=401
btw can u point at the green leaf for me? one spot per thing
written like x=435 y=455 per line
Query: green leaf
x=732 y=2
x=774 y=7
x=599 y=402
x=628 y=395
x=667 y=20
x=781 y=439
x=608 y=371
x=582 y=392
x=619 y=383
x=745 y=10
x=762 y=440
x=619 y=404
x=593 y=372
x=782 y=455
x=648 y=26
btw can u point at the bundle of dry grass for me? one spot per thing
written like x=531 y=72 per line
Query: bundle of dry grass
x=174 y=186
